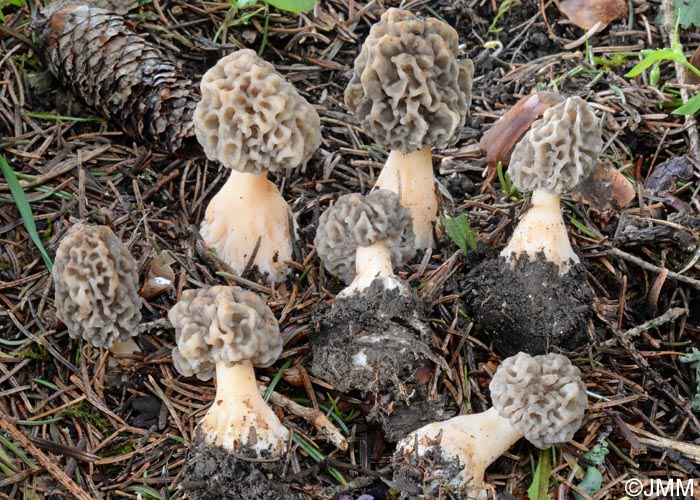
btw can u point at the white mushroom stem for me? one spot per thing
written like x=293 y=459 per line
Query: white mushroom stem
x=542 y=229
x=411 y=177
x=476 y=441
x=239 y=419
x=371 y=263
x=129 y=346
x=249 y=208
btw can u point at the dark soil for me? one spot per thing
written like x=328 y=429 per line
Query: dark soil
x=426 y=476
x=213 y=473
x=529 y=307
x=378 y=342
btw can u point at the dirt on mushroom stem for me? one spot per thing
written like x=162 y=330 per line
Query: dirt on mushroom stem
x=214 y=473
x=376 y=342
x=528 y=306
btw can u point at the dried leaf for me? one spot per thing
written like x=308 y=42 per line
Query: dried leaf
x=666 y=175
x=606 y=188
x=130 y=82
x=690 y=77
x=664 y=179
x=159 y=276
x=499 y=141
x=586 y=13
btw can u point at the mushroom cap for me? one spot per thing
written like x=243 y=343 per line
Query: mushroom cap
x=250 y=118
x=408 y=89
x=222 y=324
x=542 y=396
x=357 y=220
x=96 y=281
x=559 y=150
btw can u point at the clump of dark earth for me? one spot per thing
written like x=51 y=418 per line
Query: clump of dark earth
x=378 y=342
x=426 y=476
x=147 y=411
x=529 y=307
x=214 y=473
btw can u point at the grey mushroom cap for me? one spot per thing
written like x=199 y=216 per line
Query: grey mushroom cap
x=96 y=280
x=250 y=118
x=357 y=220
x=408 y=89
x=222 y=324
x=542 y=396
x=559 y=150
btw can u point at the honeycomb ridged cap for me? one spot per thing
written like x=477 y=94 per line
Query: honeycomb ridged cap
x=222 y=324
x=356 y=220
x=559 y=150
x=542 y=396
x=408 y=89
x=251 y=119
x=96 y=281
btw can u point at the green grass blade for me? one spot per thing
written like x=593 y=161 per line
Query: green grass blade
x=540 y=482
x=293 y=5
x=24 y=208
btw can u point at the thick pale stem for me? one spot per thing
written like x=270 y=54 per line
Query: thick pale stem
x=129 y=346
x=372 y=262
x=475 y=440
x=249 y=208
x=239 y=419
x=542 y=229
x=411 y=177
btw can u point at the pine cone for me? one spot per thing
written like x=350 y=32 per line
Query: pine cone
x=94 y=53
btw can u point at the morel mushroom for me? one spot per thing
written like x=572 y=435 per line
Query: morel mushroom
x=224 y=331
x=374 y=338
x=93 y=52
x=539 y=299
x=410 y=93
x=362 y=238
x=558 y=152
x=96 y=281
x=541 y=398
x=252 y=120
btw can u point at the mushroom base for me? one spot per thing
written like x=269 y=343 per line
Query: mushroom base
x=213 y=472
x=247 y=219
x=529 y=307
x=378 y=342
x=428 y=474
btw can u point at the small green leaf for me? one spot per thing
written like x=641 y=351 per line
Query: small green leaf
x=293 y=5
x=690 y=107
x=688 y=13
x=593 y=480
x=460 y=231
x=244 y=3
x=540 y=483
x=24 y=208
x=590 y=484
x=653 y=57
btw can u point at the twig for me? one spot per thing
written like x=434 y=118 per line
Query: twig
x=651 y=267
x=670 y=315
x=312 y=416
x=690 y=451
x=50 y=466
x=668 y=7
x=660 y=383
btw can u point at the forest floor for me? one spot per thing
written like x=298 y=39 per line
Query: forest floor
x=66 y=432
